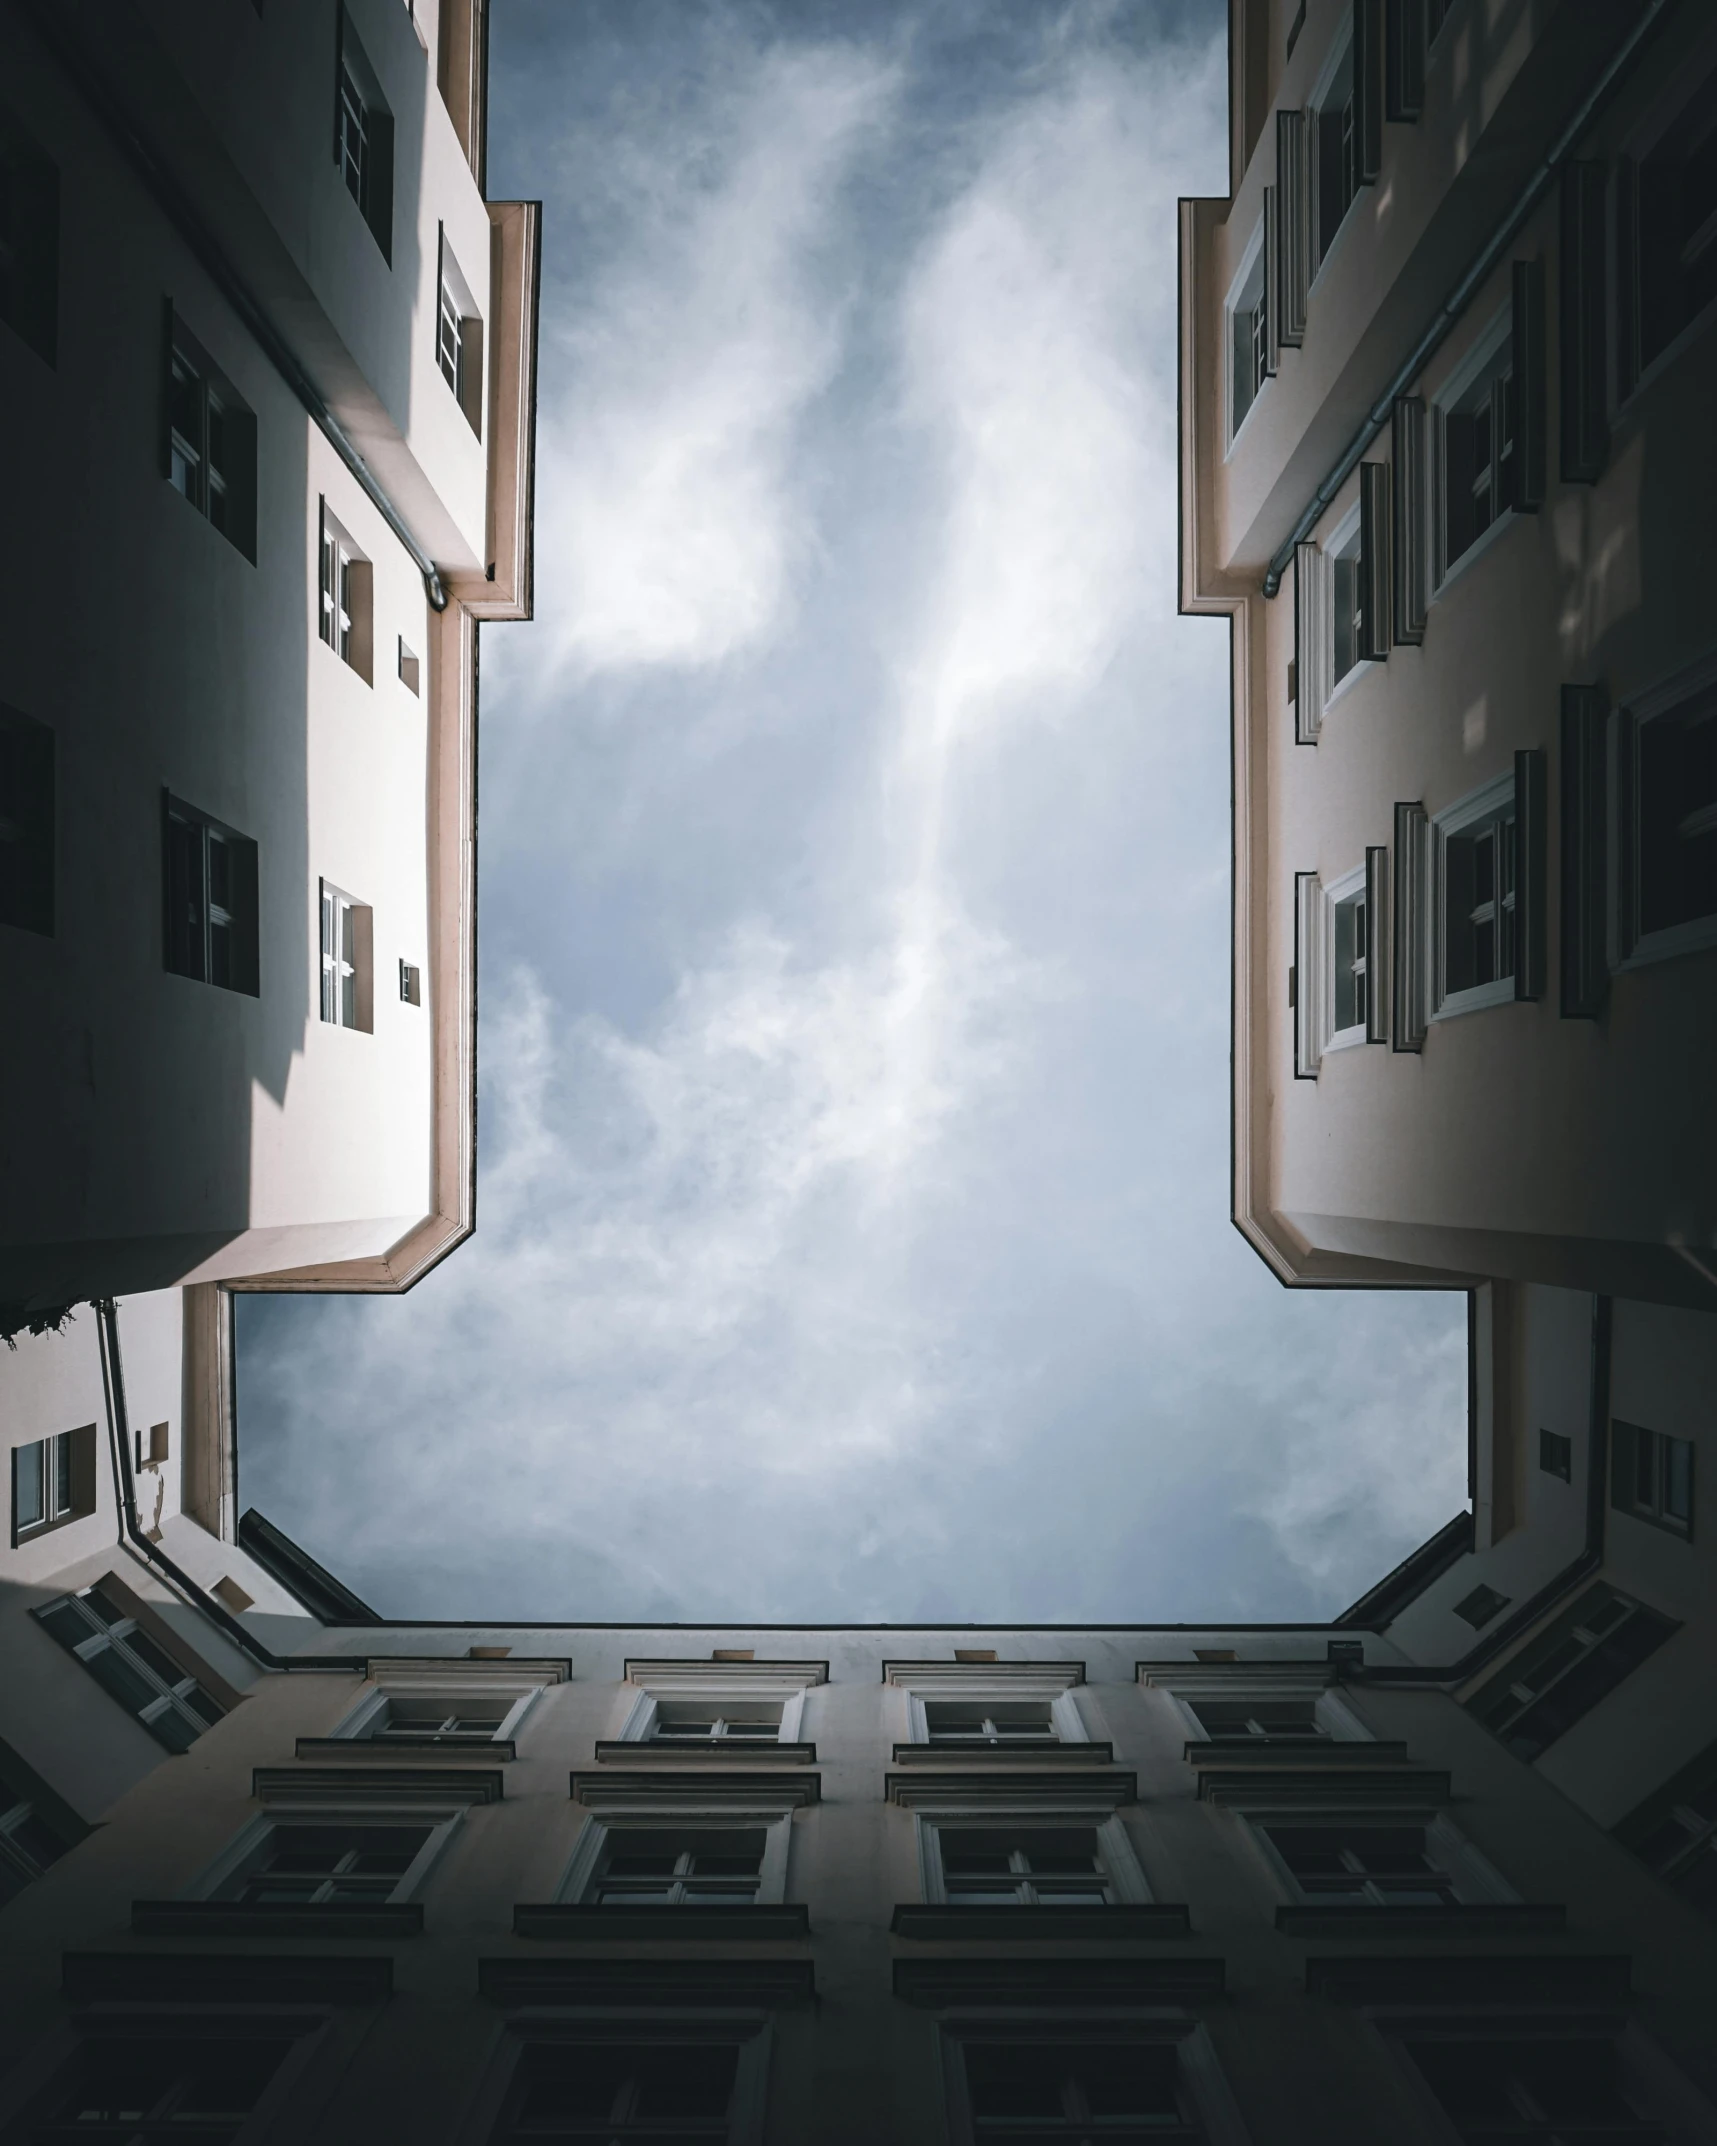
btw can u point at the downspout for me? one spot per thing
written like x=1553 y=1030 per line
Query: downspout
x=1460 y=297
x=141 y=154
x=133 y=1539
x=1589 y=1558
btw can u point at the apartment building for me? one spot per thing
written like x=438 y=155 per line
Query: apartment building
x=272 y=1867
x=268 y=358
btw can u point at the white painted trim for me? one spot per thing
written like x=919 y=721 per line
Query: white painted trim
x=1252 y=259
x=775 y=1822
x=1480 y=357
x=1331 y=1038
x=1126 y=1879
x=639 y=1725
x=1469 y=811
x=244 y=1851
x=1476 y=1880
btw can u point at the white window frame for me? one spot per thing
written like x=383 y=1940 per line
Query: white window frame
x=773 y=1814
x=53 y=1514
x=1246 y=293
x=1472 y=810
x=1629 y=947
x=337 y=555
x=1480 y=362
x=973 y=1683
x=171 y=1699
x=1339 y=54
x=1216 y=2113
x=1185 y=1687
x=456 y=305
x=713 y=1684
x=1474 y=1880
x=1125 y=1884
x=1342 y=543
x=516 y=1686
x=245 y=1852
x=1330 y=899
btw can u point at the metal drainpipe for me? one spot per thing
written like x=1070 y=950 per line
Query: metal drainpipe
x=1456 y=303
x=133 y=1539
x=64 y=45
x=1580 y=1567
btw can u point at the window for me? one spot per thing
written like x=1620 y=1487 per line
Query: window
x=1667 y=869
x=426 y=1721
x=459 y=339
x=1675 y=1832
x=1346 y=624
x=345 y=611
x=26 y=823
x=1568 y=1670
x=409 y=667
x=1030 y=2089
x=1248 y=335
x=1474 y=860
x=1364 y=1865
x=1549 y=2087
x=611 y=2091
x=410 y=984
x=348 y=939
x=28 y=1844
x=211 y=898
x=1336 y=175
x=1024 y=1866
x=1258 y=1720
x=1475 y=426
x=674 y=1867
x=1351 y=963
x=321 y=1860
x=1651 y=1476
x=963 y=1723
x=686 y=1721
x=1556 y=1455
x=211 y=440
x=1666 y=216
x=53 y=1481
x=1335 y=976
x=149 y=2088
x=363 y=137
x=130 y=1665
x=1480 y=1607
x=29 y=240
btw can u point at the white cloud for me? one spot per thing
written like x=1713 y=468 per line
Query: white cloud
x=683 y=370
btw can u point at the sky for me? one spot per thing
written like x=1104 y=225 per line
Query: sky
x=853 y=1236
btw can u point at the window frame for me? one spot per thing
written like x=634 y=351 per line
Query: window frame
x=345 y=595
x=81 y=1493
x=1629 y=947
x=1123 y=1876
x=1488 y=357
x=1336 y=1722
x=456 y=301
x=303 y=2032
x=1052 y=1684
x=713 y=1685
x=242 y=1858
x=167 y=1701
x=1479 y=807
x=772 y=1815
x=1628 y=376
x=1625 y=1448
x=1473 y=1880
x=240 y=916
x=1643 y=2067
x=1341 y=54
x=335 y=907
x=373 y=196
x=515 y=1686
x=213 y=401
x=1215 y=2115
x=748 y=2032
x=1250 y=273
x=1542 y=1648
x=34 y=241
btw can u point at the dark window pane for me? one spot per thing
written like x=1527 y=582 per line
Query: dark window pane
x=116 y=1675
x=28 y=1488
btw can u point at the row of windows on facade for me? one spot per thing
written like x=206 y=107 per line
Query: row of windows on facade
x=1035 y=2080
x=1454 y=916
x=212 y=434
x=211 y=909
x=1638 y=255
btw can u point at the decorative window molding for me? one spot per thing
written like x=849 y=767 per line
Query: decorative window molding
x=1662 y=820
x=27 y=823
x=1003 y=1710
x=1257 y=1705
x=210 y=926
x=1666 y=265
x=1248 y=344
x=1584 y=320
x=1585 y=967
x=1474 y=426
x=721 y=1710
x=682 y=1852
x=441 y=1708
x=1293 y=229
x=1536 y=2067
x=356 y=1837
x=699 y=2070
x=1373 y=1860
x=1156 y=2068
x=1473 y=902
x=1410 y=522
x=53 y=1482
x=1073 y=1854
x=1410 y=936
x=679 y=1794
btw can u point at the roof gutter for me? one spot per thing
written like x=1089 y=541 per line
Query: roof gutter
x=149 y=166
x=1578 y=1568
x=133 y=1539
x=1456 y=303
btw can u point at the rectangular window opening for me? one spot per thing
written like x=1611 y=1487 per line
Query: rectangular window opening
x=210 y=875
x=363 y=136
x=209 y=450
x=348 y=963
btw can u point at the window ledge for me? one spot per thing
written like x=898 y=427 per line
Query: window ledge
x=1321 y=1751
x=367 y=1751
x=1286 y=1786
x=718 y=1753
x=1475 y=551
x=1697 y=936
x=280 y=1918
x=1362 y=667
x=678 y=1925
x=1067 y=1754
x=1114 y=1920
x=1479 y=999
x=1462 y=1919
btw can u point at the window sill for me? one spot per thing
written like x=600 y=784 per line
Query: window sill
x=678 y=1925
x=281 y=1918
x=1479 y=999
x=1674 y=1529
x=619 y=1753
x=1324 y=1751
x=37 y=1529
x=1344 y=1039
x=368 y=1751
x=1114 y=1920
x=1344 y=685
x=1239 y=431
x=1697 y=936
x=763 y=1984
x=1473 y=553
x=1068 y=1754
x=1462 y=1919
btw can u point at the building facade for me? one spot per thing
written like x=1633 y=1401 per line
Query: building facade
x=268 y=355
